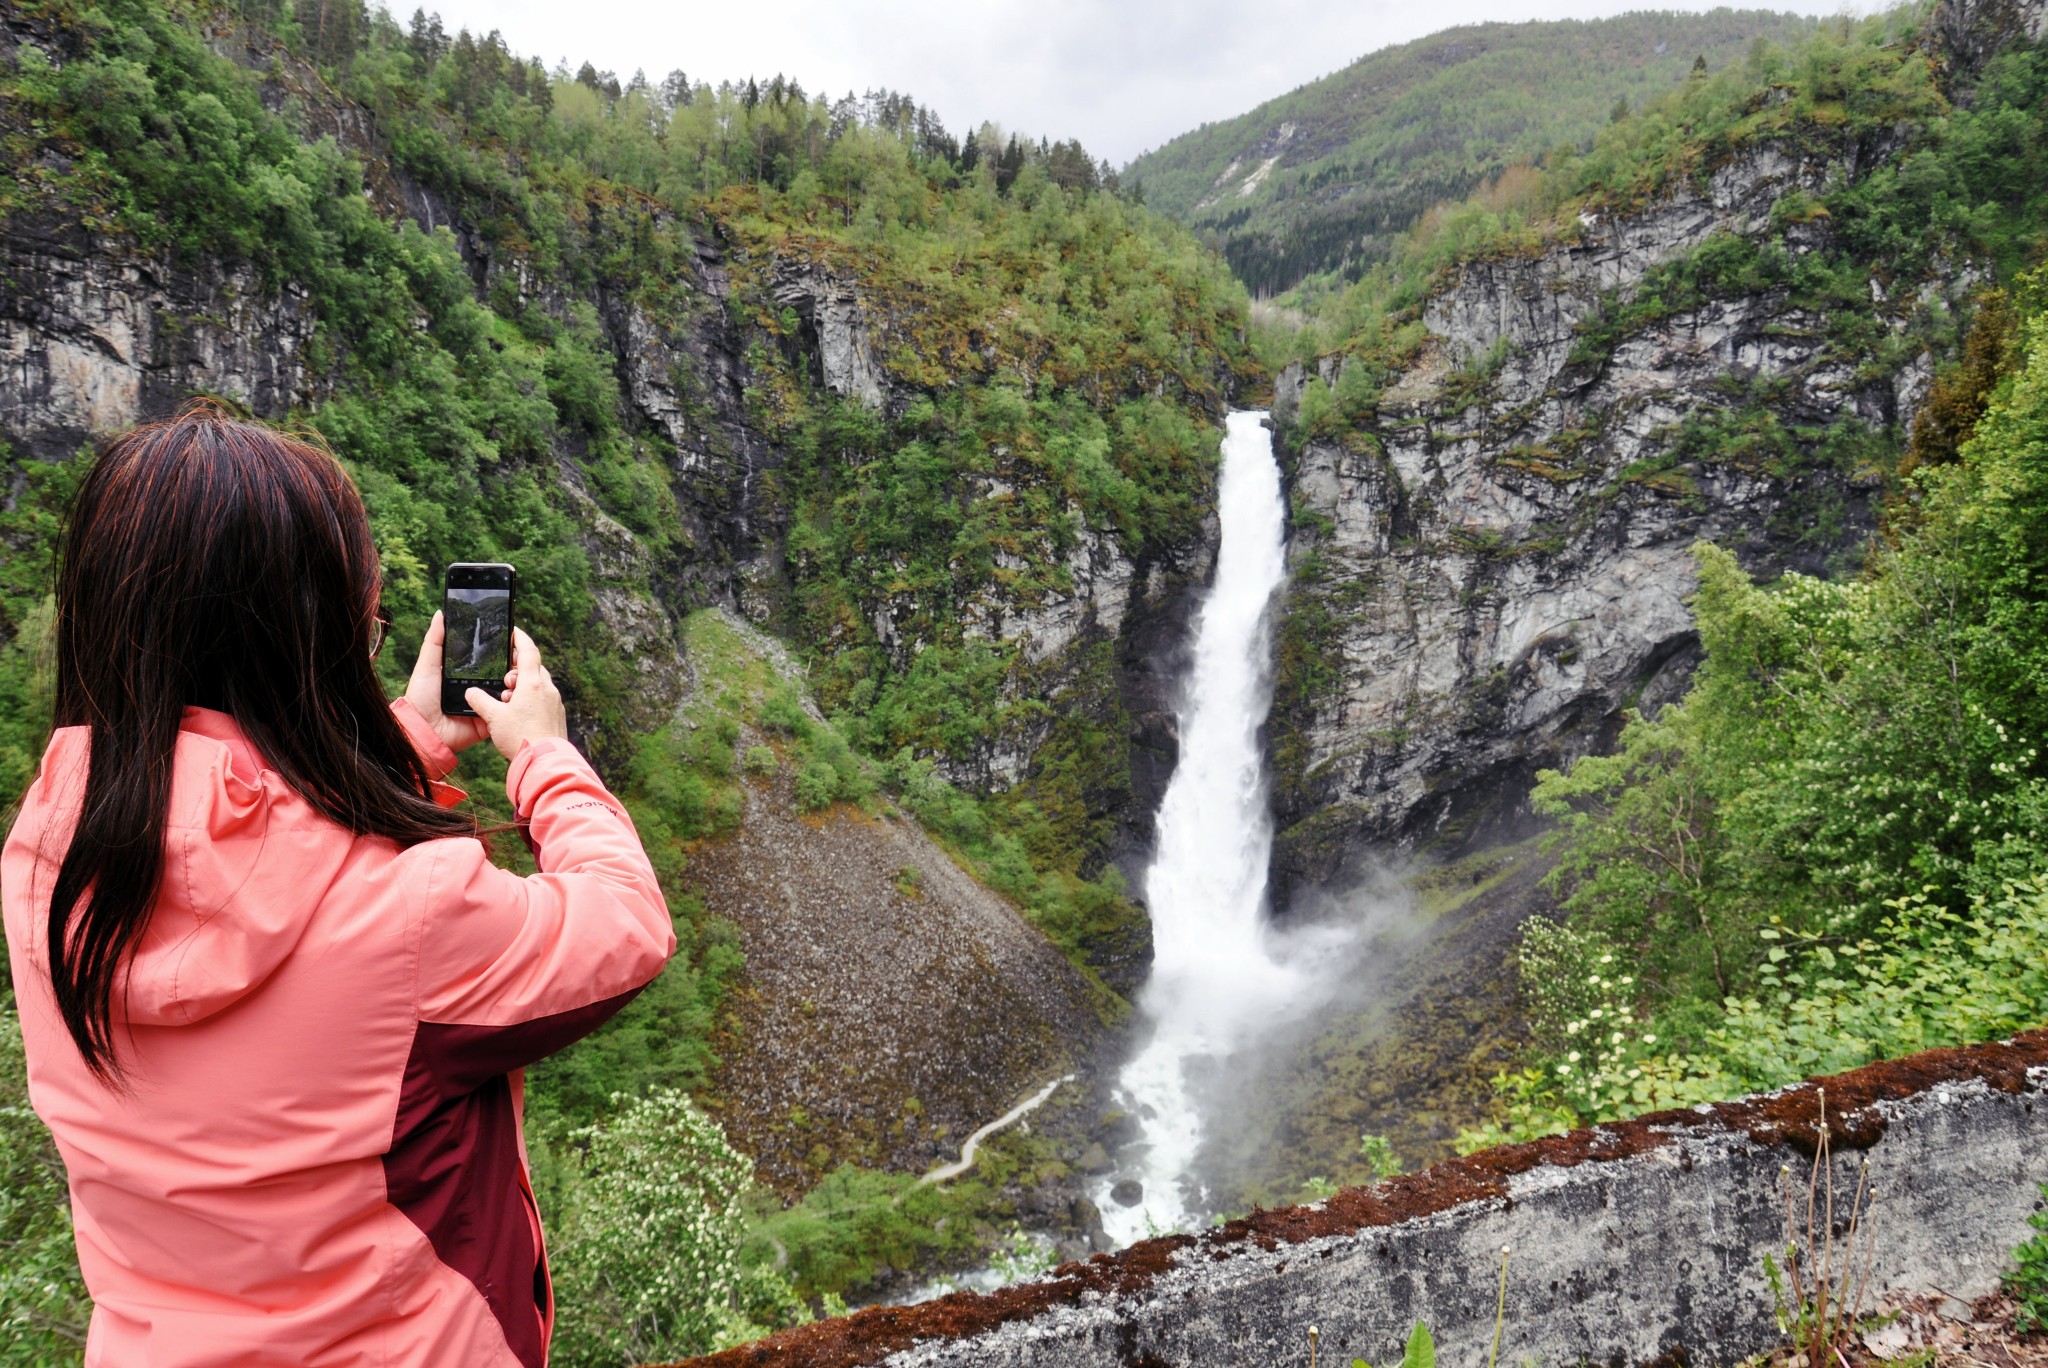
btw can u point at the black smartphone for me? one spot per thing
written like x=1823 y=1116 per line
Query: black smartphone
x=476 y=606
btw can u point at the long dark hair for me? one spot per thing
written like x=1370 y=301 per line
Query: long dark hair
x=212 y=562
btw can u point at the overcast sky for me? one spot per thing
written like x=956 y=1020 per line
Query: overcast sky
x=1121 y=75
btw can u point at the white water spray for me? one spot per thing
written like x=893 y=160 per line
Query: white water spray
x=1215 y=976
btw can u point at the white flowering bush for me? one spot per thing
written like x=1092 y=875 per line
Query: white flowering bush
x=647 y=1261
x=1599 y=1058
x=43 y=1306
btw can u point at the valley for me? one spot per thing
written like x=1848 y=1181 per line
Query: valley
x=1513 y=676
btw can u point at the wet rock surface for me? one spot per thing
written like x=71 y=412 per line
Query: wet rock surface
x=1497 y=560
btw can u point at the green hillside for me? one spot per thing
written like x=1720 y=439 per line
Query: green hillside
x=1328 y=176
x=580 y=326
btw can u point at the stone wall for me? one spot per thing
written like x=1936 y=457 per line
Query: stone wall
x=1641 y=1242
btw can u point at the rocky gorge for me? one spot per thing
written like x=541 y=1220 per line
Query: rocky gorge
x=1494 y=562
x=1489 y=547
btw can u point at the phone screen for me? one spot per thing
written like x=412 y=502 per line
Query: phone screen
x=479 y=634
x=477 y=611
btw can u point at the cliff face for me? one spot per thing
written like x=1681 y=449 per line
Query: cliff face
x=1491 y=551
x=1496 y=562
x=93 y=335
x=97 y=333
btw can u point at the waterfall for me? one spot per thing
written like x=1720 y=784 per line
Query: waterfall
x=1215 y=975
x=476 y=643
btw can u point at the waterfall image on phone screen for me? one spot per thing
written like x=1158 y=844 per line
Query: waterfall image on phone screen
x=479 y=628
x=1216 y=976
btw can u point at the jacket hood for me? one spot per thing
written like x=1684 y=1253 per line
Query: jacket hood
x=246 y=861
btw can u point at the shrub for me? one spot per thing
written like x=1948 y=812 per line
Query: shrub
x=2028 y=1281
x=43 y=1305
x=817 y=785
x=648 y=1258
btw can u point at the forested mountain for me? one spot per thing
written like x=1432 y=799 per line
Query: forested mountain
x=661 y=347
x=861 y=474
x=1327 y=177
x=946 y=418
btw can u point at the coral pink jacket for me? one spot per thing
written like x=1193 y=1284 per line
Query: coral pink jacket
x=319 y=1160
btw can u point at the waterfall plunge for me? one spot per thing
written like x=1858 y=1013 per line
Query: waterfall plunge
x=1216 y=976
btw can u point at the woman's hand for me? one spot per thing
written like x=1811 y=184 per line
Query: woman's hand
x=423 y=691
x=531 y=709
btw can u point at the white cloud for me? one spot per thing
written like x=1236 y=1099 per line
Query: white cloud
x=1121 y=77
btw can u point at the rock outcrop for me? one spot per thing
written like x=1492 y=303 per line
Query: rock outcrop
x=835 y=316
x=94 y=335
x=1495 y=561
x=1967 y=32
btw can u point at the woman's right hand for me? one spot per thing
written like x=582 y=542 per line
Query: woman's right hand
x=531 y=709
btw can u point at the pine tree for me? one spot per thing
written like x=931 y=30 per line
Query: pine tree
x=676 y=91
x=1008 y=165
x=333 y=30
x=427 y=39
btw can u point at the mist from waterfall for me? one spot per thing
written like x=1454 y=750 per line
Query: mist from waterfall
x=1219 y=976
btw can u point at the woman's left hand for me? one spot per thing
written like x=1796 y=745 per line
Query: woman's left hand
x=423 y=691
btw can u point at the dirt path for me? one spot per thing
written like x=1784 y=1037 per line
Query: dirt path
x=947 y=1172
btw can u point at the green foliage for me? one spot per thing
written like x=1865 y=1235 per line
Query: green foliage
x=2026 y=1282
x=1379 y=1156
x=1419 y=1353
x=817 y=784
x=28 y=539
x=43 y=1305
x=856 y=1224
x=1831 y=851
x=648 y=1247
x=1929 y=976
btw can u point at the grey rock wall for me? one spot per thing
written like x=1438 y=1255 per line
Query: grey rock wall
x=1968 y=32
x=1497 y=560
x=94 y=336
x=1637 y=1243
